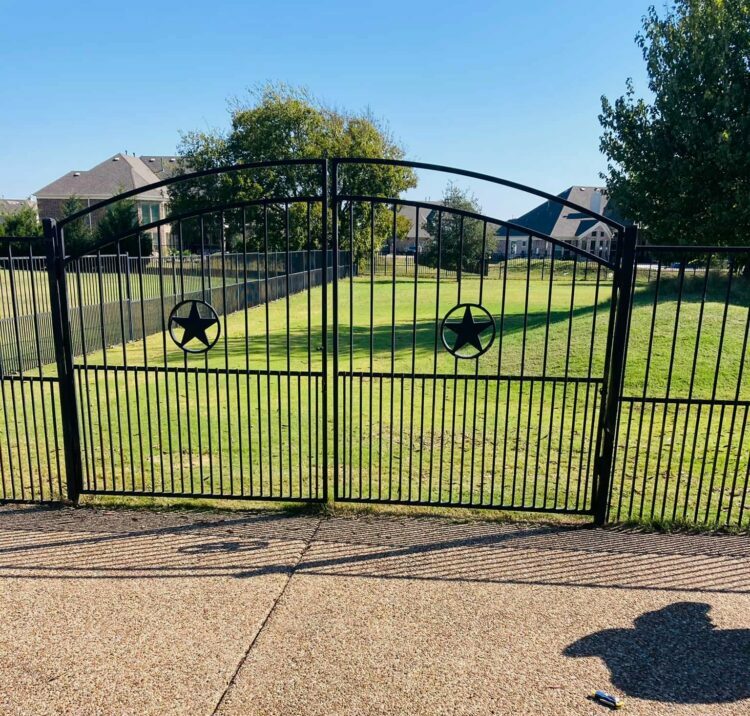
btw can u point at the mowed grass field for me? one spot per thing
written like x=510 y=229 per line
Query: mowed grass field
x=219 y=429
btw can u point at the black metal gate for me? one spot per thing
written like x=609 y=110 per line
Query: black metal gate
x=192 y=352
x=200 y=364
x=463 y=381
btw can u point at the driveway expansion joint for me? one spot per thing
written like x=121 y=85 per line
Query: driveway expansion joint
x=266 y=619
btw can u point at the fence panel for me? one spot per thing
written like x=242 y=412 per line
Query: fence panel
x=683 y=441
x=32 y=465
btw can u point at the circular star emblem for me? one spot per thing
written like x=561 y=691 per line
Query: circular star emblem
x=194 y=326
x=468 y=330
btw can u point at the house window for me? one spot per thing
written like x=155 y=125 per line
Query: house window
x=149 y=212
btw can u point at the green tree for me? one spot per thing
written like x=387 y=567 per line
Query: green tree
x=679 y=163
x=120 y=220
x=461 y=238
x=278 y=122
x=78 y=234
x=23 y=222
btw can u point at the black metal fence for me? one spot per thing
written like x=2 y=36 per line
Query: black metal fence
x=32 y=456
x=683 y=445
x=611 y=386
x=110 y=291
x=516 y=267
x=513 y=426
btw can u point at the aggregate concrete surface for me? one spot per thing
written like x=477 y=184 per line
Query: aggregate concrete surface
x=138 y=612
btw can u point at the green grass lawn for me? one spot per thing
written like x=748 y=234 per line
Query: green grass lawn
x=470 y=440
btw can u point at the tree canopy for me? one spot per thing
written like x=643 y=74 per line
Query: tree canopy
x=23 y=222
x=278 y=122
x=462 y=239
x=679 y=163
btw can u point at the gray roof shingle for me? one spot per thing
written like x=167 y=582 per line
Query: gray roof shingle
x=119 y=173
x=561 y=221
x=410 y=212
x=163 y=167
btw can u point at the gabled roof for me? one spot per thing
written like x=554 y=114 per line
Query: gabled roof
x=119 y=173
x=562 y=222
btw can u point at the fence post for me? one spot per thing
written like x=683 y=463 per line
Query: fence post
x=64 y=358
x=624 y=277
x=333 y=179
x=324 y=289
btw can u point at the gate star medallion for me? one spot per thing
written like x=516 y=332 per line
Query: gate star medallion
x=468 y=330
x=198 y=323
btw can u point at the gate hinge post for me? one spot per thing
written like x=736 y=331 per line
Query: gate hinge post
x=625 y=275
x=64 y=359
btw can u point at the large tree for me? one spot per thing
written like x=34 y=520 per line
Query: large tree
x=679 y=162
x=279 y=122
x=462 y=239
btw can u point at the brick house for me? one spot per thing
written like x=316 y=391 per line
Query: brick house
x=119 y=173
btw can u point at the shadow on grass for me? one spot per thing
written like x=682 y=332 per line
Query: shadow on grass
x=422 y=333
x=398 y=338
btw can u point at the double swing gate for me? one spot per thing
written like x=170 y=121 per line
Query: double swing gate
x=259 y=342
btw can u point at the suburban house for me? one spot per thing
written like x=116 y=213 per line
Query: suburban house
x=9 y=207
x=408 y=245
x=551 y=218
x=119 y=173
x=561 y=222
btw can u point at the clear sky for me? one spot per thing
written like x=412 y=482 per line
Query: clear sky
x=509 y=88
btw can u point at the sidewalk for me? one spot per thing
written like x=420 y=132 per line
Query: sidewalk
x=134 y=612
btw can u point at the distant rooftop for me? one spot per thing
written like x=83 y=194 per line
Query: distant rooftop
x=560 y=221
x=119 y=173
x=8 y=207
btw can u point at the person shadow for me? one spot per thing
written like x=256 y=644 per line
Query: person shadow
x=674 y=655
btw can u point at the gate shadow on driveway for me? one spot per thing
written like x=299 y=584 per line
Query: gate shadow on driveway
x=44 y=543
x=47 y=543
x=471 y=579
x=674 y=655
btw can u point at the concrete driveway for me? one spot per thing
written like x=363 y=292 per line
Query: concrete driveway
x=136 y=612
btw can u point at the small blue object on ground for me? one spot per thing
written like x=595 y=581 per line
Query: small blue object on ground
x=603 y=697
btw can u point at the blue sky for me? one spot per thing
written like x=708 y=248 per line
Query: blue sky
x=507 y=88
